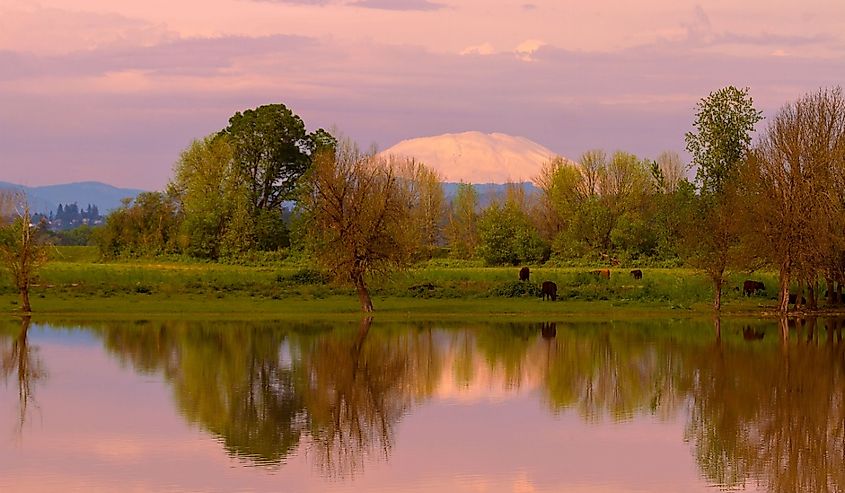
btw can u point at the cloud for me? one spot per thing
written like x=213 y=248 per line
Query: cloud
x=109 y=111
x=482 y=49
x=405 y=5
x=525 y=50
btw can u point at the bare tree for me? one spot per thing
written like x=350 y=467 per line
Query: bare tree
x=21 y=253
x=357 y=211
x=671 y=169
x=794 y=183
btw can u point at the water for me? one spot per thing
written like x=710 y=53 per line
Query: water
x=185 y=406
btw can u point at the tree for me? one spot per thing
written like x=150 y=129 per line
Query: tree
x=425 y=192
x=506 y=234
x=797 y=202
x=147 y=225
x=356 y=211
x=21 y=253
x=461 y=228
x=723 y=125
x=206 y=184
x=271 y=152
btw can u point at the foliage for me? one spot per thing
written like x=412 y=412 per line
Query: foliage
x=515 y=289
x=462 y=222
x=358 y=211
x=22 y=254
x=724 y=123
x=507 y=236
x=145 y=226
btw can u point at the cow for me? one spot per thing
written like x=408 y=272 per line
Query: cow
x=793 y=297
x=548 y=289
x=524 y=273
x=599 y=273
x=750 y=334
x=752 y=287
x=548 y=330
x=637 y=274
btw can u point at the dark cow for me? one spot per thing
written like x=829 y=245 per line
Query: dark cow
x=548 y=290
x=524 y=273
x=750 y=334
x=637 y=274
x=548 y=330
x=793 y=297
x=752 y=287
x=605 y=273
x=841 y=297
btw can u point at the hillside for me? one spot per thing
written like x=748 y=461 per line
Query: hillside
x=44 y=199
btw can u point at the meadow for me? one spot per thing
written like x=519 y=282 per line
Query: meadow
x=77 y=281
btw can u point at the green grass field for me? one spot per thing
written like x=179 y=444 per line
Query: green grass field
x=76 y=281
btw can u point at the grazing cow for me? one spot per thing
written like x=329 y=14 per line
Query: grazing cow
x=750 y=334
x=605 y=273
x=548 y=330
x=752 y=287
x=524 y=273
x=637 y=274
x=548 y=290
x=793 y=297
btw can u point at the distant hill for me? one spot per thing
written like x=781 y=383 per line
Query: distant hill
x=487 y=192
x=476 y=157
x=47 y=198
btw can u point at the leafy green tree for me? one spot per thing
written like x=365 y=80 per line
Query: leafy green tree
x=205 y=182
x=462 y=222
x=147 y=225
x=506 y=235
x=271 y=151
x=723 y=124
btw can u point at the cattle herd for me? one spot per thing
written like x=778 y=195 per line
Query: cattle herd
x=548 y=289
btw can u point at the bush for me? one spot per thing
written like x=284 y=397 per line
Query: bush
x=304 y=276
x=516 y=289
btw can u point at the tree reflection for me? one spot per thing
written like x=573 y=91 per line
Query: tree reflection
x=20 y=360
x=265 y=389
x=759 y=409
x=773 y=416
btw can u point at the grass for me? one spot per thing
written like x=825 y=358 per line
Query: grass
x=76 y=282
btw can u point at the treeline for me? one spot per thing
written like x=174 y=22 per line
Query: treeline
x=264 y=184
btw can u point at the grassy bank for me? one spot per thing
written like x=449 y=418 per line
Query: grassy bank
x=75 y=281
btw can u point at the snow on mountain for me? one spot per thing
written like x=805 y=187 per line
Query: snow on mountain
x=476 y=157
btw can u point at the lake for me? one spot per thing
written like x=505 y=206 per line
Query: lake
x=204 y=406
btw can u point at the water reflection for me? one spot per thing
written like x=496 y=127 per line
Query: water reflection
x=762 y=403
x=19 y=362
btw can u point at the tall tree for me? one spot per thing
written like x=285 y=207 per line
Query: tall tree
x=206 y=185
x=723 y=125
x=794 y=180
x=357 y=210
x=271 y=151
x=462 y=224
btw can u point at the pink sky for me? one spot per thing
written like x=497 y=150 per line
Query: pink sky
x=112 y=91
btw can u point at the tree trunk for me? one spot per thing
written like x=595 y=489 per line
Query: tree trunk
x=811 y=295
x=783 y=287
x=831 y=290
x=25 y=306
x=717 y=294
x=363 y=293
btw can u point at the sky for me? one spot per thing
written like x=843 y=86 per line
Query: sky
x=114 y=90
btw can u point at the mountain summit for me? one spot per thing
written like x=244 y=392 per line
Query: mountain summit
x=476 y=157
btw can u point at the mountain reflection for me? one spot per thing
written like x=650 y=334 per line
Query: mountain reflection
x=763 y=403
